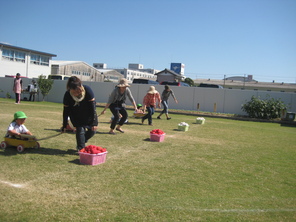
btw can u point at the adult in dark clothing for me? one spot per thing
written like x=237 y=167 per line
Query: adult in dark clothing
x=116 y=104
x=80 y=106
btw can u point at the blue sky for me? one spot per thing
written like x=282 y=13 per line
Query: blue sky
x=212 y=38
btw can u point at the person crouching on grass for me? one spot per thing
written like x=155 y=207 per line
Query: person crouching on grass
x=116 y=104
x=17 y=127
x=80 y=106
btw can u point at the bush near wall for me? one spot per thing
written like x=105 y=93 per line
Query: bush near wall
x=268 y=108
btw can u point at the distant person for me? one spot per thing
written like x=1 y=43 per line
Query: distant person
x=117 y=106
x=17 y=88
x=165 y=101
x=80 y=105
x=149 y=101
x=32 y=90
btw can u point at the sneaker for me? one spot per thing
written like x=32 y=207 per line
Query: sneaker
x=168 y=118
x=158 y=117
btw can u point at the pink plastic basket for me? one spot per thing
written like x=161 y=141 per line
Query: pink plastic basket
x=92 y=159
x=156 y=137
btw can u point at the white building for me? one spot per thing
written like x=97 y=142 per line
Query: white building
x=29 y=63
x=137 y=71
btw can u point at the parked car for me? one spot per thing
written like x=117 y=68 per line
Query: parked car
x=174 y=83
x=58 y=77
x=210 y=85
x=145 y=81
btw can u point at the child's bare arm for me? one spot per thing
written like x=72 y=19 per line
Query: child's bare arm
x=29 y=133
x=13 y=133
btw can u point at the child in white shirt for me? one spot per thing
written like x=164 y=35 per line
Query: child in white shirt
x=17 y=127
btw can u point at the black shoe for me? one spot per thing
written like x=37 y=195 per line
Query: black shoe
x=158 y=117
x=168 y=118
x=120 y=130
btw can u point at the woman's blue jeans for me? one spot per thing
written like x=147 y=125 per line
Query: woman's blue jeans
x=116 y=111
x=165 y=107
x=148 y=116
x=83 y=134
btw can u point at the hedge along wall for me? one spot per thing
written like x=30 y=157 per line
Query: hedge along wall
x=189 y=98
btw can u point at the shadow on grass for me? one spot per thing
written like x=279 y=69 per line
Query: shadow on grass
x=102 y=132
x=288 y=124
x=128 y=123
x=76 y=161
x=71 y=132
x=11 y=151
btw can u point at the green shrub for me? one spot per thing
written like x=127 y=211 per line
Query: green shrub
x=268 y=108
x=44 y=85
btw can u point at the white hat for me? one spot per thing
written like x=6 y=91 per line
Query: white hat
x=152 y=90
x=123 y=83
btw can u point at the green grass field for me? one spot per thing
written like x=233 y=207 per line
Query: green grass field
x=224 y=170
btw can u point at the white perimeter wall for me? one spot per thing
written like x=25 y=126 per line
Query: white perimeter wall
x=226 y=100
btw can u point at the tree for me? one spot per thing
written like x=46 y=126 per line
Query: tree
x=189 y=81
x=44 y=85
x=268 y=108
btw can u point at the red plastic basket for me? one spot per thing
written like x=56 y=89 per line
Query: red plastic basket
x=156 y=137
x=92 y=159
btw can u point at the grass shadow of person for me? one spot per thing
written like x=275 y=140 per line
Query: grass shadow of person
x=11 y=151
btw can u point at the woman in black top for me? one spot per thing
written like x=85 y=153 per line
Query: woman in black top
x=80 y=106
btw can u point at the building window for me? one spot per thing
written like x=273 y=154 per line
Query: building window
x=74 y=72
x=39 y=60
x=13 y=55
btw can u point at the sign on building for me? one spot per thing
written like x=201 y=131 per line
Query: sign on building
x=178 y=68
